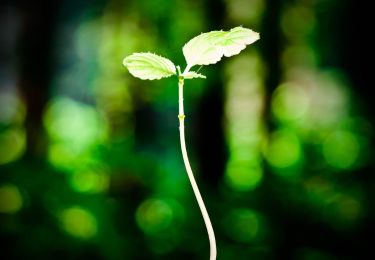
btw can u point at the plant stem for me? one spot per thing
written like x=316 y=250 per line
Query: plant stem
x=202 y=207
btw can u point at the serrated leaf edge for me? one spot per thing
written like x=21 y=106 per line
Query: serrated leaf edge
x=168 y=63
x=218 y=44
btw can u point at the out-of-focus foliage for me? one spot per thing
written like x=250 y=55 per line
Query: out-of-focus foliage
x=280 y=137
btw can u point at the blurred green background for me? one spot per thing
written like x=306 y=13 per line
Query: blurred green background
x=280 y=137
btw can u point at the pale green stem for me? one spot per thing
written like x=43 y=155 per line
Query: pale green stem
x=206 y=218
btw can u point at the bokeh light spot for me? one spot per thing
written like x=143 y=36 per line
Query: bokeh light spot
x=242 y=176
x=89 y=181
x=244 y=129
x=71 y=121
x=78 y=222
x=341 y=149
x=73 y=128
x=154 y=216
x=244 y=225
x=243 y=10
x=62 y=156
x=12 y=145
x=10 y=199
x=284 y=149
x=290 y=102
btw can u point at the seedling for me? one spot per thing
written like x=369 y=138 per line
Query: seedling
x=204 y=49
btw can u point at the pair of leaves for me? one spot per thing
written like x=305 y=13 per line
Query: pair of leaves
x=204 y=49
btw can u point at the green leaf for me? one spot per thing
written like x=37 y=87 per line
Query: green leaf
x=209 y=48
x=192 y=75
x=149 y=66
x=203 y=49
x=237 y=39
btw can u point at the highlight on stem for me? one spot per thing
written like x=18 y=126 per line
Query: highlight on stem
x=204 y=49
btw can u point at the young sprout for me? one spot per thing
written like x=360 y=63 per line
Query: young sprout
x=204 y=49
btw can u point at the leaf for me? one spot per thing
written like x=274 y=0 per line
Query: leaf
x=192 y=75
x=149 y=66
x=209 y=48
x=203 y=49
x=237 y=39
